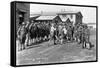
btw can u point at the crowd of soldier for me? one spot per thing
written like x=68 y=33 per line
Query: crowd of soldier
x=29 y=34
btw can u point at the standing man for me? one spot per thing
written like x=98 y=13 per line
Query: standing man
x=22 y=35
x=53 y=33
x=64 y=33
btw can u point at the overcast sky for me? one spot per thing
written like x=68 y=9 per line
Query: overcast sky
x=89 y=13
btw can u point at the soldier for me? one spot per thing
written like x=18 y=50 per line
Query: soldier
x=86 y=42
x=79 y=34
x=69 y=33
x=60 y=33
x=64 y=33
x=84 y=34
x=53 y=33
x=22 y=35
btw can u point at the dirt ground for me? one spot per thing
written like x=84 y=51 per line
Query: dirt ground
x=48 y=53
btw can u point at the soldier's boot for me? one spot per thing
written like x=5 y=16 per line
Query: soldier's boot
x=21 y=47
x=83 y=45
x=54 y=42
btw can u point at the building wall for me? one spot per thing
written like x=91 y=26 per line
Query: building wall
x=78 y=19
x=56 y=20
x=22 y=7
x=74 y=18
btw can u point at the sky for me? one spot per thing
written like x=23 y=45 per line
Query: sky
x=89 y=13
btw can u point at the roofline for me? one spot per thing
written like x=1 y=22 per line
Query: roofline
x=48 y=15
x=44 y=20
x=67 y=13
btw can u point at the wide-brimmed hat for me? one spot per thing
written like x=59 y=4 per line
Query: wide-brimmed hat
x=23 y=23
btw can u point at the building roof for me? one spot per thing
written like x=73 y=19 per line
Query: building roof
x=46 y=17
x=34 y=15
x=68 y=12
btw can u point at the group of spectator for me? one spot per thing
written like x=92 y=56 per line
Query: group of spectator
x=32 y=33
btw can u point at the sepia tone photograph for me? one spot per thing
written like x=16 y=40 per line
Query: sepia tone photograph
x=48 y=33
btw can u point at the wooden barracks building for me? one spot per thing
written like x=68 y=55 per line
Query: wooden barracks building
x=64 y=17
x=71 y=17
x=48 y=19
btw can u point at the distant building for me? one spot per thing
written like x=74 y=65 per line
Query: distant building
x=66 y=17
x=71 y=17
x=48 y=19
